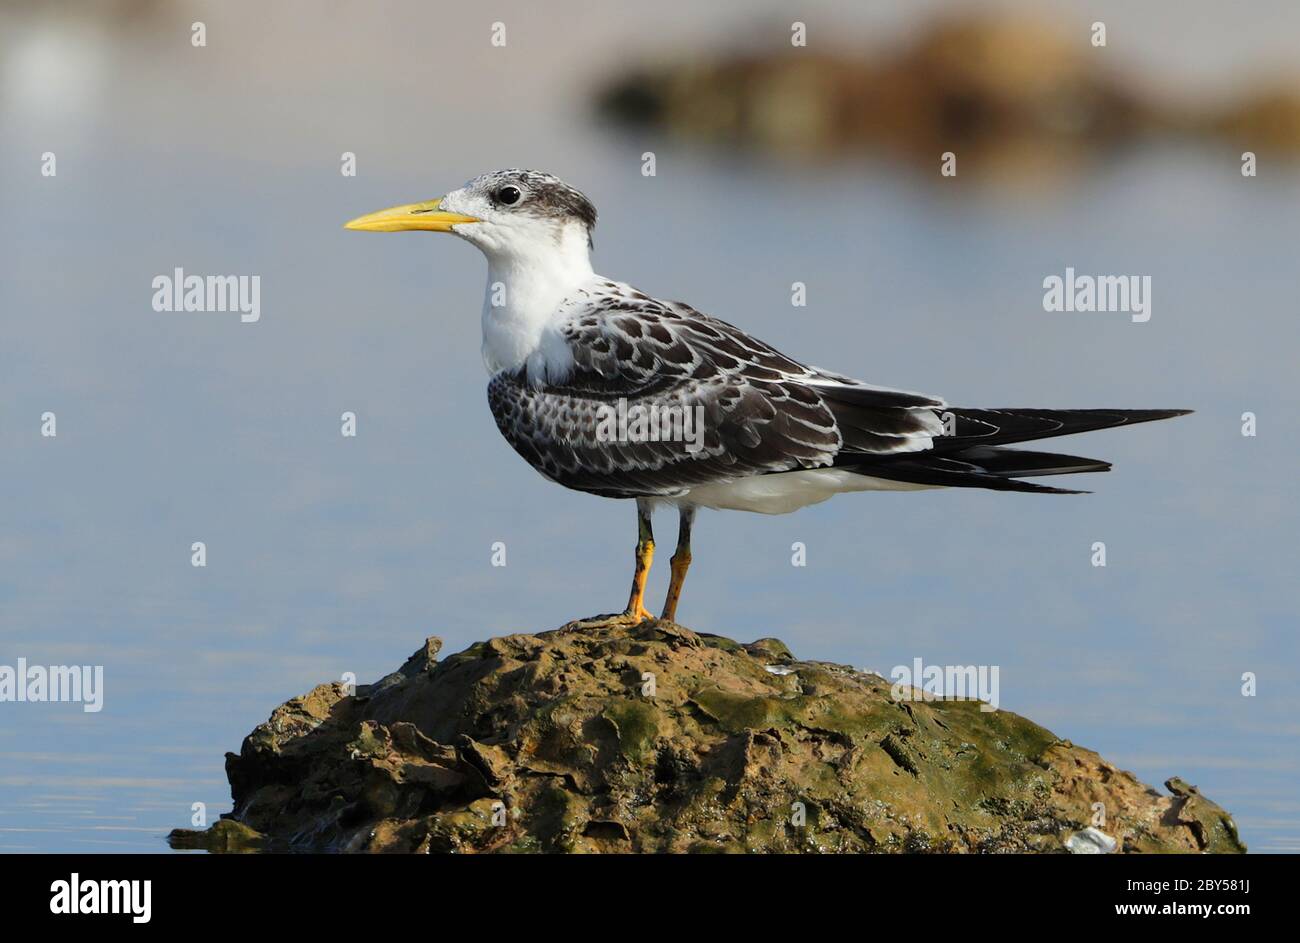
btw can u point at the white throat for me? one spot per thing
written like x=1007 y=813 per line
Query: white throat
x=527 y=283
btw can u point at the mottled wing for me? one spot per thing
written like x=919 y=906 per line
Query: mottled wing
x=735 y=406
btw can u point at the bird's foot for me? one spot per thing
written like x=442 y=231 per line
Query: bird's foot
x=625 y=619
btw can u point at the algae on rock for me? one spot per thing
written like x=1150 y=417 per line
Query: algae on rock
x=655 y=738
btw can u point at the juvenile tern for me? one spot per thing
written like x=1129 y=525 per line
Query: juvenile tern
x=572 y=355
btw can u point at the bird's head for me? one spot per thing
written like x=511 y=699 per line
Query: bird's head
x=512 y=215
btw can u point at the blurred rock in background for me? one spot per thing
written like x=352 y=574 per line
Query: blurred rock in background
x=1002 y=91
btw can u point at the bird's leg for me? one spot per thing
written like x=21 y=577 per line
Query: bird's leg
x=635 y=613
x=680 y=563
x=645 y=554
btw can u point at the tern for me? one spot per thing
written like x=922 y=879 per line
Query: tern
x=605 y=389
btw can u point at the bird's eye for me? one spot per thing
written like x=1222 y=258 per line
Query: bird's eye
x=508 y=195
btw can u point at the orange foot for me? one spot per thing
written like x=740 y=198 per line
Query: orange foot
x=628 y=617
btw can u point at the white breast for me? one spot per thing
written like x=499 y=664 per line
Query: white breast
x=524 y=305
x=787 y=491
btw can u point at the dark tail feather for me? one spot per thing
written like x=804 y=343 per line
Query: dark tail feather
x=1004 y=426
x=1017 y=463
x=980 y=467
x=971 y=458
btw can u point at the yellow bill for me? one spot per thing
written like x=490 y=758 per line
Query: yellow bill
x=426 y=216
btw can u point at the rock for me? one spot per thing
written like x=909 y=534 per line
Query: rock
x=656 y=738
x=226 y=835
x=1265 y=119
x=1213 y=829
x=1012 y=94
x=986 y=86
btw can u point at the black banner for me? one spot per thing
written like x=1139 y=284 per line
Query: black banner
x=297 y=892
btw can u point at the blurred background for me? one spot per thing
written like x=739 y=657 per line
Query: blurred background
x=774 y=164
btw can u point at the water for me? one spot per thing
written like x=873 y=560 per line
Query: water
x=329 y=555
